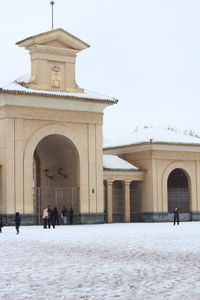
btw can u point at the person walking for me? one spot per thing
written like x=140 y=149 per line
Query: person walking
x=56 y=216
x=45 y=217
x=17 y=222
x=176 y=216
x=71 y=216
x=1 y=225
x=64 y=215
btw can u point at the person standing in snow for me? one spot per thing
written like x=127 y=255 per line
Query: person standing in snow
x=71 y=216
x=56 y=218
x=64 y=215
x=45 y=217
x=1 y=225
x=176 y=216
x=51 y=219
x=17 y=222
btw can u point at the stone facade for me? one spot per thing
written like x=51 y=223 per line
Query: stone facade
x=51 y=150
x=51 y=140
x=157 y=162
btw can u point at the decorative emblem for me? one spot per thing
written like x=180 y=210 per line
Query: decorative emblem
x=55 y=77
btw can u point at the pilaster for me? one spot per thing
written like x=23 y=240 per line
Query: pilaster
x=126 y=184
x=110 y=200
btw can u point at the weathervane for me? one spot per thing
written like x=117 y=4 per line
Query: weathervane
x=52 y=4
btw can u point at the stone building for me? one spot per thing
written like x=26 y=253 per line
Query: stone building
x=51 y=135
x=168 y=165
x=52 y=149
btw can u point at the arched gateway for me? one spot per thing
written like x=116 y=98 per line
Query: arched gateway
x=56 y=170
x=178 y=192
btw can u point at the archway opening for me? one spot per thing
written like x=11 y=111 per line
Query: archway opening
x=178 y=191
x=135 y=201
x=118 y=202
x=56 y=175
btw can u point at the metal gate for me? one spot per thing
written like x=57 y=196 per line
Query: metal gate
x=179 y=197
x=118 y=204
x=56 y=197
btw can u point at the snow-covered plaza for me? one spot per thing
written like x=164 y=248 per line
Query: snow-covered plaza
x=110 y=261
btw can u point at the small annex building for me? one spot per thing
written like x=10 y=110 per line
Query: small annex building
x=168 y=176
x=52 y=151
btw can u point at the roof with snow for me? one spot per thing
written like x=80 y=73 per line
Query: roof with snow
x=17 y=87
x=58 y=34
x=113 y=162
x=153 y=135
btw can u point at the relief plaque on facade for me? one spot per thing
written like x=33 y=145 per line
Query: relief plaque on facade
x=56 y=77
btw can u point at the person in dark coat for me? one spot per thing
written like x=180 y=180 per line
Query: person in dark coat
x=1 y=225
x=17 y=222
x=71 y=216
x=64 y=215
x=176 y=216
x=56 y=218
x=51 y=219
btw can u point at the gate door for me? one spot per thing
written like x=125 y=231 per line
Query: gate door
x=56 y=197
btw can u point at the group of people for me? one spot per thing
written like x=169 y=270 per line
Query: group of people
x=51 y=216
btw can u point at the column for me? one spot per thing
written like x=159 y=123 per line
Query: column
x=19 y=165
x=92 y=186
x=110 y=199
x=9 y=173
x=126 y=184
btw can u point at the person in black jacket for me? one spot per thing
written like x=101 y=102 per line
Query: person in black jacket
x=176 y=216
x=17 y=222
x=71 y=216
x=56 y=218
x=1 y=225
x=51 y=219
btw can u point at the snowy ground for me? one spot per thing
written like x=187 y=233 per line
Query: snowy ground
x=111 y=261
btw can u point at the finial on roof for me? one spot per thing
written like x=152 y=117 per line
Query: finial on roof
x=52 y=4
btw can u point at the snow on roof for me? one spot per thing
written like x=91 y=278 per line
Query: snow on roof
x=153 y=135
x=17 y=87
x=116 y=163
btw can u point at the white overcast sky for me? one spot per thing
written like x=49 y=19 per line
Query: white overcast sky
x=146 y=53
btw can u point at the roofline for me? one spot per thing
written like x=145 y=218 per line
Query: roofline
x=17 y=92
x=150 y=143
x=134 y=164
x=120 y=169
x=54 y=30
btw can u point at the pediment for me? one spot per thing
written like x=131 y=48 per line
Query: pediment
x=56 y=38
x=53 y=60
x=57 y=44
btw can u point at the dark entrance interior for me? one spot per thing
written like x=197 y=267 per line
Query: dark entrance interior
x=135 y=201
x=118 y=202
x=56 y=175
x=178 y=191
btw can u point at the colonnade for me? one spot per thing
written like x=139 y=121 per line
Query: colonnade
x=126 y=189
